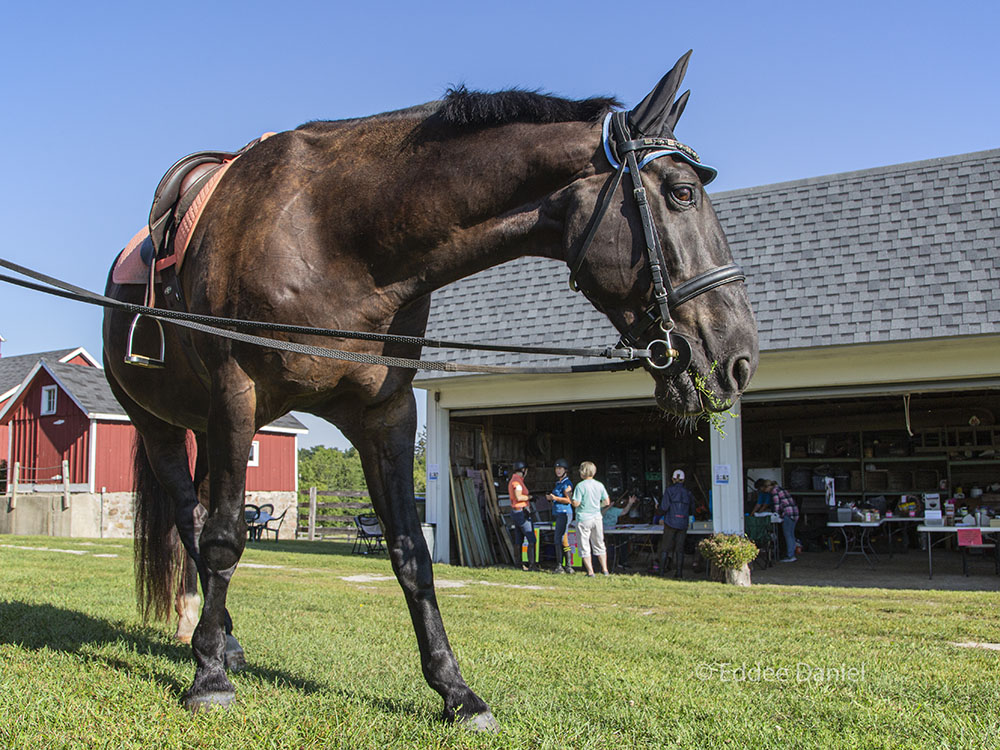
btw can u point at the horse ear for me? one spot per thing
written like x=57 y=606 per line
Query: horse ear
x=648 y=115
x=676 y=111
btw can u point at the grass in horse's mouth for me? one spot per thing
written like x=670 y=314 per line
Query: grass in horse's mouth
x=714 y=409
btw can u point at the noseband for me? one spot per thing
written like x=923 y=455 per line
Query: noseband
x=676 y=350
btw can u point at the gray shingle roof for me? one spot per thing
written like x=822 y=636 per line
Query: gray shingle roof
x=14 y=369
x=890 y=254
x=88 y=386
x=903 y=252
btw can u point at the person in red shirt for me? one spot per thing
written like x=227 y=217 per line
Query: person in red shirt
x=520 y=507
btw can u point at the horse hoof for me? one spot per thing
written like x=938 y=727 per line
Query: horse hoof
x=482 y=722
x=205 y=702
x=235 y=658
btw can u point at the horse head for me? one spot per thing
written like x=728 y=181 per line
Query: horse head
x=654 y=258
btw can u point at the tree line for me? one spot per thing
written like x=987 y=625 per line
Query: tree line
x=335 y=469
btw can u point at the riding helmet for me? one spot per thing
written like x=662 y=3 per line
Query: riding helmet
x=562 y=462
x=519 y=466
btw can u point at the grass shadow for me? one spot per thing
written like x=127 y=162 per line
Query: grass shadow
x=43 y=626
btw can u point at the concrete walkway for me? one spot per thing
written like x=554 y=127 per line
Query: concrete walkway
x=903 y=571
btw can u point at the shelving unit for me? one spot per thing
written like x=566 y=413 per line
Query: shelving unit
x=868 y=463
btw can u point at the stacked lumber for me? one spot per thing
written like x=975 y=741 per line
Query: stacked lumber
x=503 y=546
x=474 y=548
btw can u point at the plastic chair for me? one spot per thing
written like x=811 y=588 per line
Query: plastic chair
x=761 y=532
x=983 y=547
x=273 y=524
x=369 y=537
x=250 y=514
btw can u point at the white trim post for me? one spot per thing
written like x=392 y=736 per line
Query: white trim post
x=92 y=458
x=438 y=494
x=727 y=497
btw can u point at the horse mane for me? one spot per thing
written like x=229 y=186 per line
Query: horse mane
x=469 y=109
x=464 y=109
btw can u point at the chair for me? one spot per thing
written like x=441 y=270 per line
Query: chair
x=273 y=524
x=250 y=514
x=644 y=546
x=264 y=515
x=369 y=535
x=761 y=532
x=983 y=547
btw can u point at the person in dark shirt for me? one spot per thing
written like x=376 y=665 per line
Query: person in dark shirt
x=561 y=498
x=676 y=507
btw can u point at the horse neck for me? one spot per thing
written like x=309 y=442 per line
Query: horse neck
x=497 y=194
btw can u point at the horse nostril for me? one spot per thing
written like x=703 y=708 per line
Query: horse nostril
x=741 y=371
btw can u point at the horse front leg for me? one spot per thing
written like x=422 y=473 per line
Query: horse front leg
x=384 y=437
x=188 y=603
x=230 y=433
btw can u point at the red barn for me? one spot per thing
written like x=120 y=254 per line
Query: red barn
x=13 y=371
x=62 y=414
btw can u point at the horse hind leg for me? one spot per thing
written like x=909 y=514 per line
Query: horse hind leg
x=384 y=438
x=187 y=603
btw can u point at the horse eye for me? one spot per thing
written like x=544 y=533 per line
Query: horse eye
x=684 y=194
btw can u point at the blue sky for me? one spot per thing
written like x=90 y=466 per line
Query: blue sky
x=98 y=99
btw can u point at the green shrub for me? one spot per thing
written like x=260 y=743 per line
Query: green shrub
x=728 y=551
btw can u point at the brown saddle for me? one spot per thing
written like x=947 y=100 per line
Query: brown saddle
x=178 y=202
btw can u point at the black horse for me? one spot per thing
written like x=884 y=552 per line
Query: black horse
x=352 y=225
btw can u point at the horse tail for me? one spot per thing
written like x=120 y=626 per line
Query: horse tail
x=157 y=558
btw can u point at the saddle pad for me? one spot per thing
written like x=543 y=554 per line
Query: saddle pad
x=130 y=268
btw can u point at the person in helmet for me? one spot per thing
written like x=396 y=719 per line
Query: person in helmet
x=520 y=505
x=561 y=498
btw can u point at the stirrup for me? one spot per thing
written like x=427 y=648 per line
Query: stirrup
x=141 y=360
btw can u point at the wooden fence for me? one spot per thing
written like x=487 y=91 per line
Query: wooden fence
x=331 y=520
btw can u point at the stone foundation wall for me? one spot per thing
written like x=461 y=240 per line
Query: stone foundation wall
x=111 y=516
x=282 y=502
x=119 y=514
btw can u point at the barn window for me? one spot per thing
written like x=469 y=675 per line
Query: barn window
x=49 y=393
x=254 y=454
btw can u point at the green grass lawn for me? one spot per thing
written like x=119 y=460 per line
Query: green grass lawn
x=627 y=661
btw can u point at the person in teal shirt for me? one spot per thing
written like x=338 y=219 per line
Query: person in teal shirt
x=621 y=508
x=589 y=498
x=610 y=519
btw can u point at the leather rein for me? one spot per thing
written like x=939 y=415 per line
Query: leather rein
x=676 y=354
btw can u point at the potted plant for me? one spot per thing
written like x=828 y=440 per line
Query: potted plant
x=729 y=556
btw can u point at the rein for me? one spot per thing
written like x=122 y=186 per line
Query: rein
x=676 y=350
x=629 y=358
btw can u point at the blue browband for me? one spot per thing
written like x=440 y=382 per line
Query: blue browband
x=670 y=148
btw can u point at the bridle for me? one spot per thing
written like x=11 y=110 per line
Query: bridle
x=621 y=150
